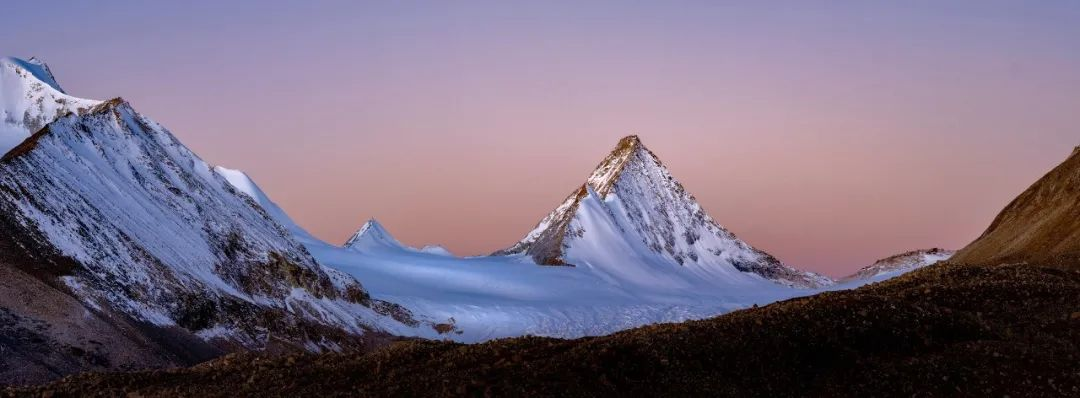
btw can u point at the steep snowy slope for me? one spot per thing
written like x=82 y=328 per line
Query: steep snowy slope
x=631 y=211
x=244 y=184
x=481 y=298
x=105 y=207
x=30 y=98
x=620 y=280
x=898 y=264
x=159 y=236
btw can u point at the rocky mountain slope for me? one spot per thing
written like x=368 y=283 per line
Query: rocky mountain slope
x=899 y=264
x=631 y=204
x=1040 y=225
x=136 y=234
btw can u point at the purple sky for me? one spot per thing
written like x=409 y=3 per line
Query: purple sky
x=829 y=134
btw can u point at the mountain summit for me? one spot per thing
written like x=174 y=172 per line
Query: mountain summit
x=631 y=205
x=372 y=235
x=30 y=98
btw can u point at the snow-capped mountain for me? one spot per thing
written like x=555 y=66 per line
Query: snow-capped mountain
x=374 y=236
x=30 y=98
x=437 y=250
x=108 y=207
x=631 y=210
x=370 y=236
x=899 y=264
x=623 y=284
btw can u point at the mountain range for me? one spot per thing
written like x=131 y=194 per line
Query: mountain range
x=1000 y=318
x=121 y=249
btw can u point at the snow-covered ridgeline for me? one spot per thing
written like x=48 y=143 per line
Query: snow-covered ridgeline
x=154 y=232
x=30 y=98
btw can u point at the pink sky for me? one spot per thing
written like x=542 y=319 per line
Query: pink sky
x=829 y=136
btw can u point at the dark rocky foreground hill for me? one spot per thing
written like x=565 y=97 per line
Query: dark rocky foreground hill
x=943 y=330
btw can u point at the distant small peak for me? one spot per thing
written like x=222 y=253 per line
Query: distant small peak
x=36 y=67
x=371 y=233
x=371 y=227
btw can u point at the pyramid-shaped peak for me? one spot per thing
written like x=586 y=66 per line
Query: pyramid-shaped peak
x=371 y=234
x=37 y=68
x=632 y=204
x=372 y=225
x=607 y=173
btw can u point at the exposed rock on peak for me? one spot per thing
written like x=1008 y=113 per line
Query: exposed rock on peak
x=641 y=203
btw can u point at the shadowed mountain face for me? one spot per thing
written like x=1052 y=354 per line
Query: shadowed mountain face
x=1040 y=225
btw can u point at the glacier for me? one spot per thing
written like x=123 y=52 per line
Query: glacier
x=618 y=280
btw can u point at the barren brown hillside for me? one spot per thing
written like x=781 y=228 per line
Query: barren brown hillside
x=1040 y=225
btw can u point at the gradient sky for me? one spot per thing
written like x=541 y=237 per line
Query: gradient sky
x=827 y=133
